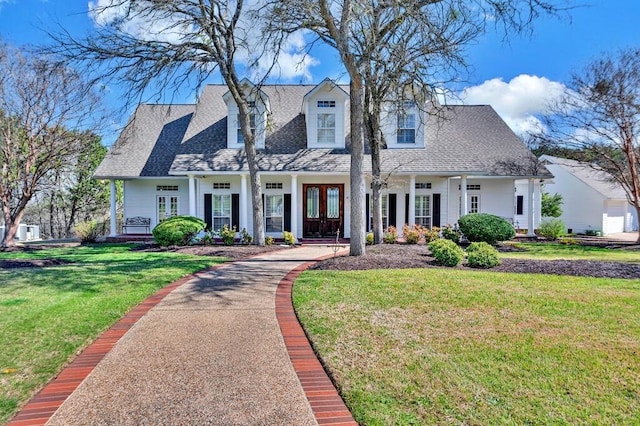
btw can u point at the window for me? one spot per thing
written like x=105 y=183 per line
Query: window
x=385 y=208
x=252 y=124
x=273 y=212
x=221 y=212
x=326 y=104
x=423 y=185
x=474 y=203
x=313 y=203
x=326 y=128
x=273 y=185
x=471 y=187
x=520 y=204
x=221 y=185
x=423 y=210
x=167 y=207
x=407 y=124
x=166 y=187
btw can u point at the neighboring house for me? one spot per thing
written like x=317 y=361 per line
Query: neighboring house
x=189 y=159
x=25 y=232
x=590 y=200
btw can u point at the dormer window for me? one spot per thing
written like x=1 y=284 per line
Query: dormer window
x=326 y=104
x=252 y=124
x=406 y=123
x=326 y=129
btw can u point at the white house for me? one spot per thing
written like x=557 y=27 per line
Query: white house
x=590 y=200
x=189 y=159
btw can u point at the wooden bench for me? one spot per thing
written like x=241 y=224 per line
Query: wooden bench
x=137 y=222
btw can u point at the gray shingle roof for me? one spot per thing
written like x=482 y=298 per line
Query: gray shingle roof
x=465 y=139
x=596 y=179
x=148 y=144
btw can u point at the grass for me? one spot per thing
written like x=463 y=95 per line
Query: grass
x=47 y=315
x=550 y=251
x=440 y=346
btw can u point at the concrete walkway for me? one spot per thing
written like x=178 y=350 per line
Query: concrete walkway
x=211 y=352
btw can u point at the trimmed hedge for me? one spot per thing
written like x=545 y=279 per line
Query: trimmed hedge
x=177 y=230
x=482 y=255
x=486 y=227
x=446 y=252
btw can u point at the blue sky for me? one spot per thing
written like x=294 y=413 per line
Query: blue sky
x=516 y=78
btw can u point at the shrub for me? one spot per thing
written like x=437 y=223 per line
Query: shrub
x=228 y=235
x=245 y=238
x=88 y=231
x=268 y=240
x=485 y=227
x=177 y=230
x=412 y=234
x=390 y=235
x=431 y=234
x=552 y=229
x=482 y=255
x=446 y=252
x=288 y=238
x=370 y=239
x=451 y=234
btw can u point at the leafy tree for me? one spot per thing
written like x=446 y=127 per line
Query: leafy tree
x=599 y=113
x=159 y=46
x=40 y=102
x=551 y=205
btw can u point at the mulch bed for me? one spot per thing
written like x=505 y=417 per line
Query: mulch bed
x=30 y=263
x=397 y=256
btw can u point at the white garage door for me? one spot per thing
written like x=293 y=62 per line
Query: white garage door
x=615 y=213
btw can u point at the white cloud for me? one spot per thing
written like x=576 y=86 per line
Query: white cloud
x=519 y=101
x=292 y=61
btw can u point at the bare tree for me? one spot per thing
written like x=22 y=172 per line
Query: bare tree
x=599 y=114
x=158 y=46
x=41 y=102
x=389 y=48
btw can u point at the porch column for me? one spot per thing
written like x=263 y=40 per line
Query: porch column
x=412 y=200
x=113 y=220
x=464 y=202
x=294 y=206
x=243 y=202
x=531 y=207
x=192 y=195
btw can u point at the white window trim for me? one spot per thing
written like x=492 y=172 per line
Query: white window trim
x=267 y=214
x=429 y=208
x=167 y=209
x=214 y=197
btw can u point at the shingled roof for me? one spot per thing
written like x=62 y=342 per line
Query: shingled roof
x=471 y=140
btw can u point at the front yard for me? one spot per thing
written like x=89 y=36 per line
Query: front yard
x=48 y=314
x=460 y=346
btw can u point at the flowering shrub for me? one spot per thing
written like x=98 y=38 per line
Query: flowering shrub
x=390 y=235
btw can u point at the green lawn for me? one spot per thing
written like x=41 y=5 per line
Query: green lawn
x=48 y=314
x=442 y=346
x=572 y=252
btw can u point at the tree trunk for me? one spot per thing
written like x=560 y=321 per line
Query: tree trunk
x=358 y=186
x=376 y=189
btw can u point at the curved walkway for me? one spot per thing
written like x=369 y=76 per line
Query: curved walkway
x=205 y=350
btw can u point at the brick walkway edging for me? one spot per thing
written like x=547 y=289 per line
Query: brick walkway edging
x=45 y=403
x=326 y=404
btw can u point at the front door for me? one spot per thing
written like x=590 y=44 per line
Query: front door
x=323 y=210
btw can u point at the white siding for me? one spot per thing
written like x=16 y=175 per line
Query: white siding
x=496 y=197
x=140 y=197
x=582 y=206
x=326 y=92
x=521 y=221
x=389 y=122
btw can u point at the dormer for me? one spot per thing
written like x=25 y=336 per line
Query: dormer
x=259 y=107
x=324 y=108
x=403 y=122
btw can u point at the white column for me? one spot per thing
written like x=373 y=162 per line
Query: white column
x=294 y=206
x=192 y=195
x=244 y=205
x=531 y=208
x=412 y=200
x=113 y=219
x=464 y=202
